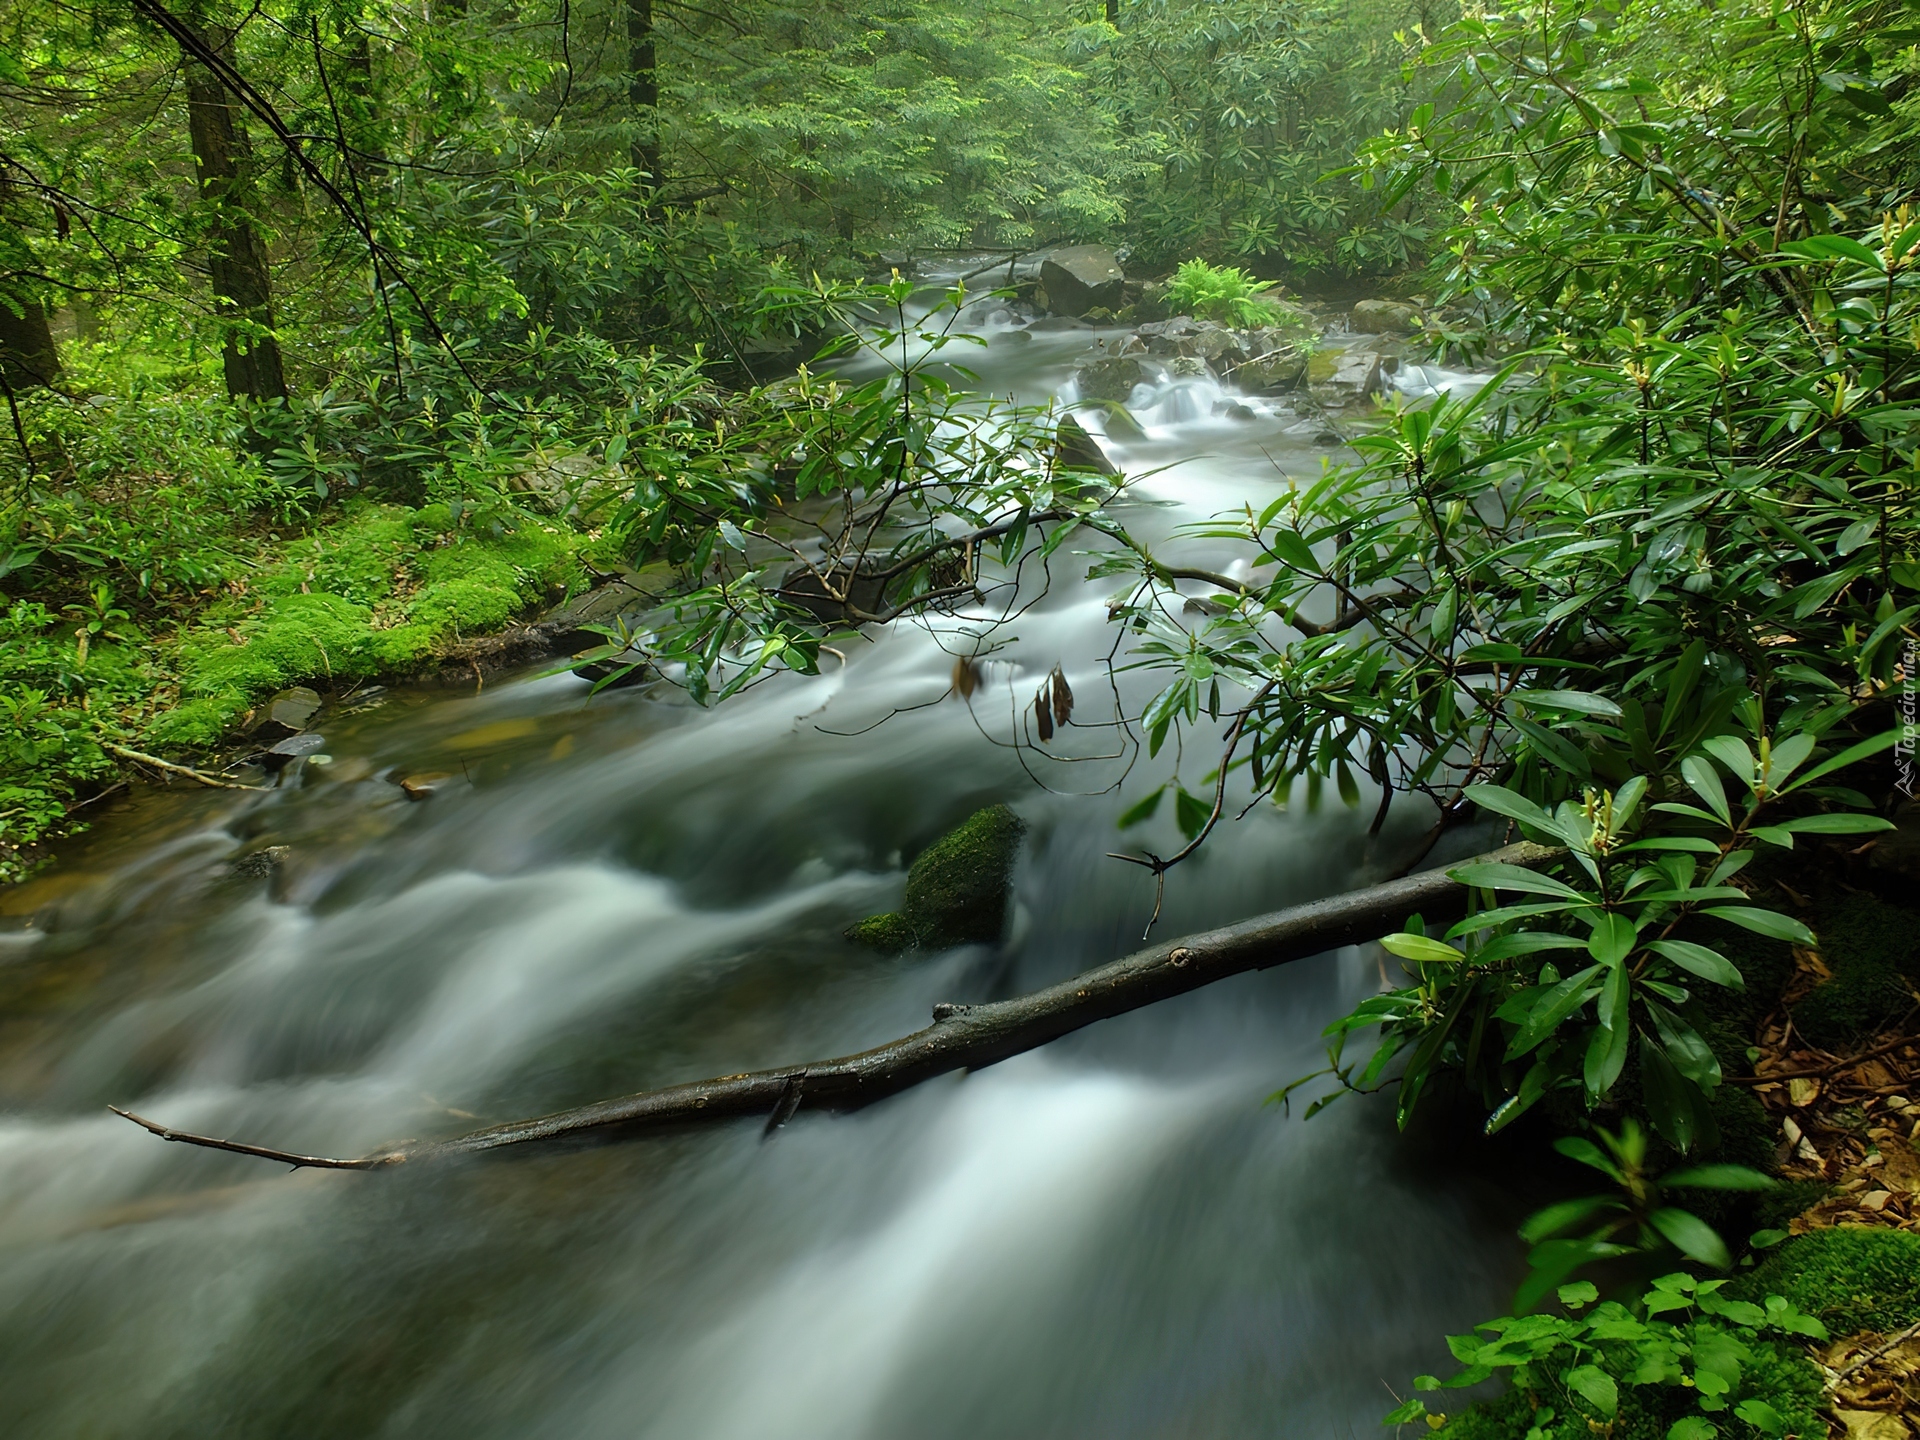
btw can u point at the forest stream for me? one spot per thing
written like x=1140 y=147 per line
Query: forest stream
x=1110 y=1237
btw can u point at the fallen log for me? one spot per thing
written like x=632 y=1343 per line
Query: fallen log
x=961 y=1037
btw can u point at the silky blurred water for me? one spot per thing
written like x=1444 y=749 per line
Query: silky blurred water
x=1109 y=1238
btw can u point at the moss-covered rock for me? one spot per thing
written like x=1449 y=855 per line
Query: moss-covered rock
x=957 y=889
x=1850 y=1277
x=1873 y=950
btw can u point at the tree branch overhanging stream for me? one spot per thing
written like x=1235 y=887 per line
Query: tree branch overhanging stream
x=961 y=1037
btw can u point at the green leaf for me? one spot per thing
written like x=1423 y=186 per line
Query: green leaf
x=1191 y=812
x=1691 y=1427
x=1613 y=938
x=1763 y=922
x=1691 y=1236
x=1596 y=1387
x=1699 y=960
x=1850 y=756
x=1719 y=1177
x=1704 y=781
x=1581 y=1292
x=1732 y=752
x=1515 y=807
x=1142 y=811
x=1498 y=876
x=1836 y=825
x=1552 y=1008
x=1762 y=1416
x=1421 y=948
x=1575 y=702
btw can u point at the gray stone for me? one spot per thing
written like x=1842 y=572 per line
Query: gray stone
x=1384 y=317
x=261 y=864
x=1112 y=378
x=294 y=708
x=1273 y=373
x=1080 y=278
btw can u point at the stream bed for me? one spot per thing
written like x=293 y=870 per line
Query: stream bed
x=1110 y=1238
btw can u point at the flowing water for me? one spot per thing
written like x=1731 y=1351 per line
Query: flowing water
x=1108 y=1238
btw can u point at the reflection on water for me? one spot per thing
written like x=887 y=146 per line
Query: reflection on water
x=1111 y=1238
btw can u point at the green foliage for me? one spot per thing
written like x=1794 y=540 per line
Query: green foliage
x=1219 y=292
x=1850 y=1278
x=1684 y=1362
x=1636 y=1218
x=957 y=888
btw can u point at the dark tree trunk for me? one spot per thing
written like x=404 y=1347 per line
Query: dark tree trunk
x=643 y=90
x=1113 y=13
x=27 y=353
x=242 y=286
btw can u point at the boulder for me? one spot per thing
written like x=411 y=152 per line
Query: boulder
x=1343 y=377
x=957 y=890
x=1220 y=347
x=1075 y=448
x=1172 y=337
x=288 y=713
x=1112 y=378
x=1080 y=278
x=1273 y=373
x=1384 y=317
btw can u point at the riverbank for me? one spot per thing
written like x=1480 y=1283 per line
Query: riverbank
x=162 y=587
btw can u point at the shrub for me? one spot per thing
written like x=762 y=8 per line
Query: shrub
x=1219 y=292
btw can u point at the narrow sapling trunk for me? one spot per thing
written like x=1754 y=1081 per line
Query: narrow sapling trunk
x=237 y=256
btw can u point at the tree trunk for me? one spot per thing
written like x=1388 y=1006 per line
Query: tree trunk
x=962 y=1037
x=242 y=285
x=28 y=355
x=643 y=91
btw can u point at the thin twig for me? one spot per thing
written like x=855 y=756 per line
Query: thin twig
x=298 y=1162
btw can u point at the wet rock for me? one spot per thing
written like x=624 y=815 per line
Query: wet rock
x=1273 y=373
x=1237 y=411
x=1221 y=348
x=1344 y=377
x=957 y=890
x=283 y=753
x=1111 y=379
x=260 y=864
x=1176 y=336
x=1059 y=322
x=1074 y=448
x=1188 y=367
x=424 y=784
x=1384 y=317
x=289 y=712
x=1080 y=278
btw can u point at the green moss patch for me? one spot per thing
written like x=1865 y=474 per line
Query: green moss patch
x=957 y=889
x=1849 y=1277
x=376 y=594
x=1873 y=950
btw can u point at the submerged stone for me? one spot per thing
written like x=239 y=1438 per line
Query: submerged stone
x=957 y=889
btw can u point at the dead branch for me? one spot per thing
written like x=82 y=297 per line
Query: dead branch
x=172 y=769
x=962 y=1037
